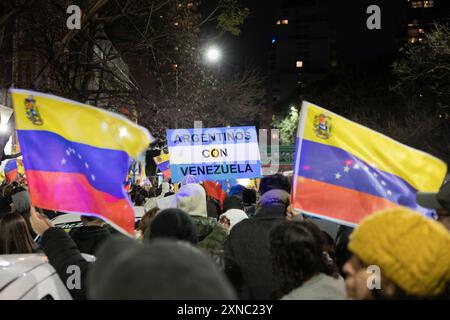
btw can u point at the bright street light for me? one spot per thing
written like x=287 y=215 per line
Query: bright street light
x=213 y=54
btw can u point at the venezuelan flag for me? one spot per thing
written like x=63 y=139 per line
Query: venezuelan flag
x=76 y=157
x=344 y=171
x=163 y=163
x=11 y=170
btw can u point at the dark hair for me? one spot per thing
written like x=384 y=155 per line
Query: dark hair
x=147 y=218
x=249 y=196
x=7 y=192
x=138 y=195
x=276 y=181
x=296 y=253
x=233 y=202
x=15 y=236
x=173 y=223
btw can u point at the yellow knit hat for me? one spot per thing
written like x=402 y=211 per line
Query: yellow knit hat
x=412 y=251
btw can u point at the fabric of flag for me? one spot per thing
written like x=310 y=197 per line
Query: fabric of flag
x=11 y=170
x=215 y=190
x=76 y=157
x=163 y=164
x=219 y=189
x=344 y=171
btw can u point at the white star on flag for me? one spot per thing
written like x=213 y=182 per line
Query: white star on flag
x=375 y=174
x=356 y=166
x=68 y=152
x=383 y=183
x=92 y=177
x=338 y=175
x=63 y=161
x=86 y=165
x=346 y=169
x=389 y=193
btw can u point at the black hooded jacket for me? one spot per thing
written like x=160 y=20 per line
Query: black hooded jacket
x=248 y=245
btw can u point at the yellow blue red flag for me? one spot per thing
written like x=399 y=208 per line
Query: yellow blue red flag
x=76 y=157
x=163 y=163
x=344 y=171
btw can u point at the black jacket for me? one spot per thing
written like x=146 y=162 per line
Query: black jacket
x=248 y=245
x=88 y=238
x=62 y=252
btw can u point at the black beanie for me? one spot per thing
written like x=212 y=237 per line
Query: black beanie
x=173 y=223
x=163 y=269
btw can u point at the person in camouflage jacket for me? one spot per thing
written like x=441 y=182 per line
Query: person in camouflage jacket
x=191 y=198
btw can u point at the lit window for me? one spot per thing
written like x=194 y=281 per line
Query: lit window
x=274 y=39
x=412 y=40
x=420 y=39
x=421 y=31
x=175 y=24
x=416 y=4
x=428 y=4
x=285 y=21
x=279 y=22
x=299 y=64
x=190 y=5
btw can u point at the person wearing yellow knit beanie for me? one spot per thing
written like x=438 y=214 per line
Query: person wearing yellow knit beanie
x=411 y=252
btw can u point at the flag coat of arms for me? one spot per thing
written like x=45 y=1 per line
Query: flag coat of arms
x=344 y=171
x=163 y=163
x=76 y=157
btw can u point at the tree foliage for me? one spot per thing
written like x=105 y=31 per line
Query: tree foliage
x=146 y=55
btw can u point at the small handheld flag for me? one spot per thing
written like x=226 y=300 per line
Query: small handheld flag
x=163 y=163
x=11 y=170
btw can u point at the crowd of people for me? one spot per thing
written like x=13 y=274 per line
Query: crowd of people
x=251 y=246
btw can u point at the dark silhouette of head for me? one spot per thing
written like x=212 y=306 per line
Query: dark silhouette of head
x=173 y=223
x=233 y=202
x=276 y=181
x=296 y=253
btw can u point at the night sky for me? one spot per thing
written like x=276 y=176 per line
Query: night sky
x=251 y=46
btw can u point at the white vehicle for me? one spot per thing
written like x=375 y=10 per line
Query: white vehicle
x=31 y=277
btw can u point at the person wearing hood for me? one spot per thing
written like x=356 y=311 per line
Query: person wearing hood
x=234 y=212
x=90 y=235
x=248 y=241
x=232 y=217
x=191 y=198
